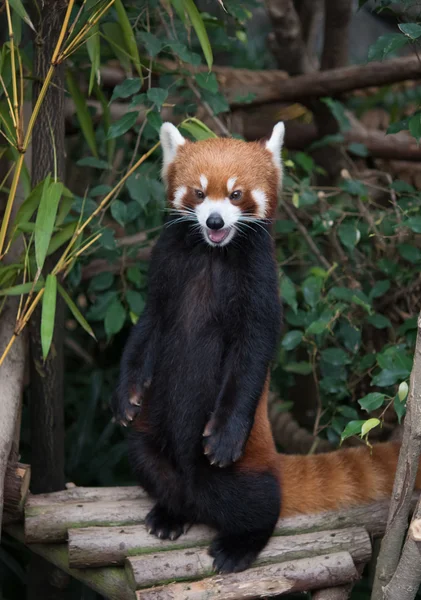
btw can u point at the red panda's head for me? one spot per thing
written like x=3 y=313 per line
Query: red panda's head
x=222 y=183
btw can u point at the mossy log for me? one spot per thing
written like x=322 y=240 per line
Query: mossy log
x=263 y=582
x=110 y=582
x=195 y=563
x=50 y=523
x=16 y=486
x=88 y=494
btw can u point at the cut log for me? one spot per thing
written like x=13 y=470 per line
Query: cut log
x=101 y=546
x=47 y=524
x=87 y=494
x=263 y=582
x=16 y=486
x=110 y=582
x=177 y=565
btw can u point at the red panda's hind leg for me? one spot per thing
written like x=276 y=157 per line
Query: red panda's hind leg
x=244 y=508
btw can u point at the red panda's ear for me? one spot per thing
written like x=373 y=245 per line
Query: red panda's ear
x=171 y=139
x=275 y=143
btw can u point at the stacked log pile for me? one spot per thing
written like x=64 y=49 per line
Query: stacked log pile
x=97 y=535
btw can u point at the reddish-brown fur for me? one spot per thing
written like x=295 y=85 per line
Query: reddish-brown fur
x=321 y=482
x=219 y=160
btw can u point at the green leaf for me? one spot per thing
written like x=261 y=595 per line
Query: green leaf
x=75 y=311
x=338 y=111
x=403 y=391
x=82 y=112
x=335 y=356
x=401 y=125
x=115 y=37
x=199 y=27
x=152 y=44
x=354 y=187
x=114 y=318
x=122 y=125
x=300 y=368
x=93 y=45
x=412 y=30
x=129 y=38
x=348 y=411
x=135 y=276
x=289 y=293
x=358 y=149
x=207 y=81
x=353 y=428
x=157 y=96
x=379 y=289
x=48 y=314
x=154 y=119
x=20 y=10
x=312 y=287
x=414 y=223
x=379 y=321
x=119 y=212
x=415 y=126
x=135 y=301
x=292 y=339
x=46 y=217
x=29 y=206
x=91 y=161
x=22 y=288
x=369 y=425
x=101 y=282
x=61 y=237
x=372 y=401
x=127 y=88
x=349 y=235
x=410 y=253
x=400 y=408
x=197 y=129
x=385 y=45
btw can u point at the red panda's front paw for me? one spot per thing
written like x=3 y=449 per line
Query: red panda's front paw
x=126 y=407
x=223 y=444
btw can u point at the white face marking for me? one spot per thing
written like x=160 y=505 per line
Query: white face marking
x=229 y=213
x=261 y=200
x=231 y=183
x=178 y=196
x=204 y=182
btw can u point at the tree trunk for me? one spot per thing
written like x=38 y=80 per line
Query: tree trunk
x=46 y=389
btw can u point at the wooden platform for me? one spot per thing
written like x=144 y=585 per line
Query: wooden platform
x=97 y=535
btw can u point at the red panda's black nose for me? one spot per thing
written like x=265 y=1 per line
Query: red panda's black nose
x=215 y=221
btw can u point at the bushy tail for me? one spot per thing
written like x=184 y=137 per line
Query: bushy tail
x=347 y=477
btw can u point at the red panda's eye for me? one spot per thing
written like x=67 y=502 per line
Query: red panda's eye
x=199 y=194
x=236 y=195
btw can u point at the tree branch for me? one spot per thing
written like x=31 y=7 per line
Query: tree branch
x=404 y=481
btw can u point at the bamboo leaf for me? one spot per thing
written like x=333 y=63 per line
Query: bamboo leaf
x=48 y=314
x=22 y=288
x=46 y=216
x=19 y=8
x=129 y=38
x=82 y=112
x=197 y=129
x=106 y=119
x=93 y=46
x=199 y=27
x=61 y=237
x=75 y=311
x=29 y=206
x=115 y=37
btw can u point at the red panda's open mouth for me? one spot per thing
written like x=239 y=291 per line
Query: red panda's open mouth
x=218 y=235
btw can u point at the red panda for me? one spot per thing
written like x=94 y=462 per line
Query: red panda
x=194 y=375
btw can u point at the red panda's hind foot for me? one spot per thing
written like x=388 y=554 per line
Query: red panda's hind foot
x=235 y=553
x=162 y=524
